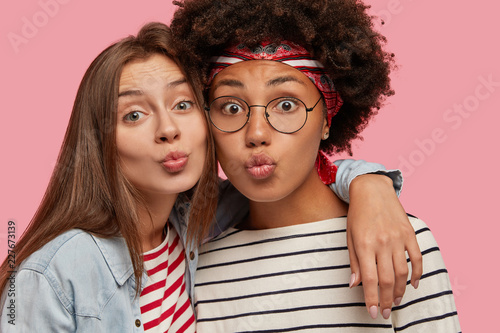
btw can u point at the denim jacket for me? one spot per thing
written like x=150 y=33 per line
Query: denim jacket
x=82 y=283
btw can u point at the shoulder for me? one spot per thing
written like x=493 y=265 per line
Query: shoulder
x=424 y=235
x=79 y=266
x=77 y=253
x=417 y=224
x=432 y=305
x=431 y=254
x=60 y=249
x=78 y=256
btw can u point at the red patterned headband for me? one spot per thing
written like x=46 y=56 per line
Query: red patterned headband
x=296 y=56
x=288 y=53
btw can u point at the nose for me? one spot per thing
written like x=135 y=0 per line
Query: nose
x=167 y=129
x=258 y=130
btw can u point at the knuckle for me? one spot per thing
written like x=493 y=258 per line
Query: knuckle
x=399 y=291
x=402 y=276
x=363 y=243
x=401 y=272
x=371 y=300
x=386 y=298
x=370 y=280
x=386 y=283
x=384 y=240
x=408 y=229
x=386 y=301
x=386 y=304
x=390 y=237
x=417 y=259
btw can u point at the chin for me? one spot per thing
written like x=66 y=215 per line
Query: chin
x=261 y=193
x=181 y=186
x=170 y=186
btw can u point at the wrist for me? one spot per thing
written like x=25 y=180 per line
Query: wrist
x=370 y=181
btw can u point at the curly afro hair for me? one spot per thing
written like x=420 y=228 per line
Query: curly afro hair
x=338 y=33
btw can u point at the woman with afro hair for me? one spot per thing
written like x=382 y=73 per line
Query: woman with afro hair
x=288 y=81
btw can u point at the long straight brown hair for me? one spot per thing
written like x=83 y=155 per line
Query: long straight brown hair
x=87 y=189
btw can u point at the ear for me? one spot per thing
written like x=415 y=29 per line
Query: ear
x=325 y=130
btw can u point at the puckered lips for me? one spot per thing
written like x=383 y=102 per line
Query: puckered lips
x=175 y=161
x=260 y=166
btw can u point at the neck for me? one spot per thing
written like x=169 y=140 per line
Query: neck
x=153 y=218
x=312 y=201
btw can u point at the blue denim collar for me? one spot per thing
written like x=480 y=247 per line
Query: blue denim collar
x=116 y=255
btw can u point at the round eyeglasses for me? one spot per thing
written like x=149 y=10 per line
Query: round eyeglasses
x=284 y=114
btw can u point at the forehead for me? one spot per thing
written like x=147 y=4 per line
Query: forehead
x=150 y=71
x=265 y=72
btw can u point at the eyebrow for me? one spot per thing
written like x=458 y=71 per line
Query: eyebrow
x=270 y=83
x=283 y=79
x=138 y=92
x=229 y=83
x=176 y=83
x=131 y=93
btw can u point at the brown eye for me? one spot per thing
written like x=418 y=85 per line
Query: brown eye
x=228 y=106
x=232 y=109
x=287 y=105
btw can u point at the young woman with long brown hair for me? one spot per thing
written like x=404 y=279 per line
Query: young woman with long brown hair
x=135 y=144
x=107 y=249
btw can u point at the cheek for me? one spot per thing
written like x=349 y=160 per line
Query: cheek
x=131 y=159
x=299 y=152
x=135 y=142
x=306 y=155
x=197 y=133
x=127 y=144
x=229 y=156
x=225 y=148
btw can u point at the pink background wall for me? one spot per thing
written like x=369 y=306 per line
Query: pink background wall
x=444 y=116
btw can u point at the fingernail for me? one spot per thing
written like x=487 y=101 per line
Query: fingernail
x=415 y=285
x=373 y=311
x=353 y=278
x=386 y=313
x=397 y=301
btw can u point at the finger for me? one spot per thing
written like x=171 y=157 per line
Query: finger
x=369 y=277
x=353 y=259
x=386 y=283
x=400 y=274
x=416 y=261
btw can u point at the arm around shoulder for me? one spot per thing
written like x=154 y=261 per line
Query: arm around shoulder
x=378 y=232
x=349 y=169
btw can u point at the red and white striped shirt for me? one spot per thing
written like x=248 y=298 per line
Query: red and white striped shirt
x=165 y=305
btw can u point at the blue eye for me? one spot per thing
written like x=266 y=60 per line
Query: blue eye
x=184 y=106
x=133 y=116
